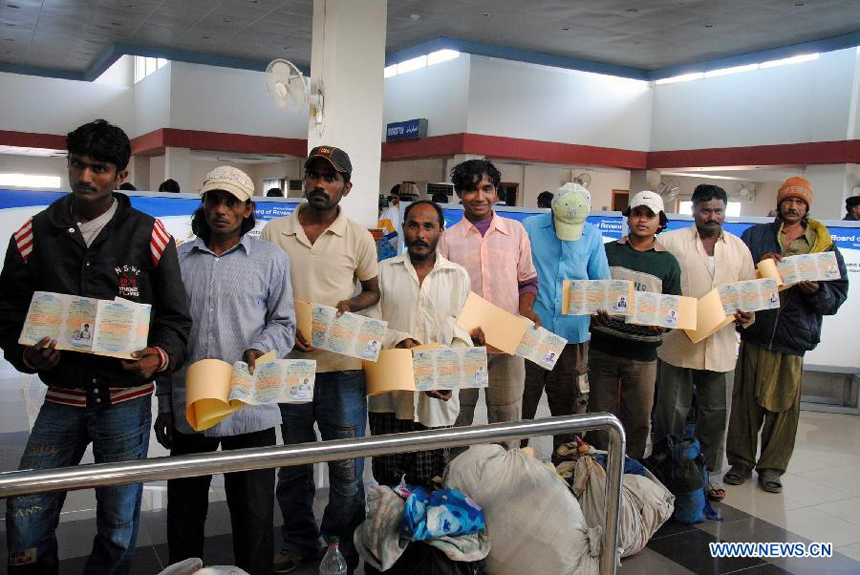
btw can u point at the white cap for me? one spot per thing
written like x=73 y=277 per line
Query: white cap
x=231 y=180
x=649 y=199
x=570 y=206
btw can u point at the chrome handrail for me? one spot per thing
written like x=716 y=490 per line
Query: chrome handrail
x=17 y=483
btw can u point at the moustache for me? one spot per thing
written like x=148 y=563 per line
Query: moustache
x=80 y=188
x=317 y=192
x=419 y=243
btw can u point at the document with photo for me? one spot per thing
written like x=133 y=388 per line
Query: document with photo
x=350 y=334
x=214 y=389
x=663 y=310
x=751 y=295
x=820 y=266
x=587 y=297
x=541 y=346
x=114 y=328
x=427 y=367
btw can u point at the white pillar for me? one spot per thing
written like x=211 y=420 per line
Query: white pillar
x=644 y=180
x=831 y=184
x=138 y=173
x=347 y=58
x=177 y=165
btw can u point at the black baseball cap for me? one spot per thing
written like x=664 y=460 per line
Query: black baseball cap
x=335 y=156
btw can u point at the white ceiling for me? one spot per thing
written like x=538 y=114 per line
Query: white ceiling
x=647 y=34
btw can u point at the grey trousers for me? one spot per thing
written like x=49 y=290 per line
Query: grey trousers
x=503 y=394
x=675 y=388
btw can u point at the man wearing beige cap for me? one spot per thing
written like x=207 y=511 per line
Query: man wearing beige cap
x=332 y=252
x=709 y=257
x=241 y=302
x=766 y=394
x=622 y=361
x=564 y=247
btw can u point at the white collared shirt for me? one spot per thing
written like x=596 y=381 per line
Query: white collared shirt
x=426 y=312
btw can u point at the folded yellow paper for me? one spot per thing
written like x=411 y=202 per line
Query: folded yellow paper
x=503 y=330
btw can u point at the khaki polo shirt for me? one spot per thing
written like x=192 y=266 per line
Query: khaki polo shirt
x=733 y=263
x=325 y=272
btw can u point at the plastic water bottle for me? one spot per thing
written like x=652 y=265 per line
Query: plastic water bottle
x=333 y=563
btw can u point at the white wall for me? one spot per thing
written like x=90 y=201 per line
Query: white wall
x=152 y=102
x=227 y=100
x=36 y=166
x=439 y=93
x=427 y=170
x=765 y=193
x=528 y=101
x=53 y=106
x=805 y=102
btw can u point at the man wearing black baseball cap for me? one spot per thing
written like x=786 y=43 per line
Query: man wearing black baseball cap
x=330 y=251
x=852 y=208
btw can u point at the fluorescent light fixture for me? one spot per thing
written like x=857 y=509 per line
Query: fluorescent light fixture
x=389 y=71
x=681 y=78
x=413 y=64
x=733 y=70
x=441 y=56
x=793 y=60
x=29 y=181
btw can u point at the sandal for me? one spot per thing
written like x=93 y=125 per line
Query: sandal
x=769 y=480
x=716 y=493
x=737 y=475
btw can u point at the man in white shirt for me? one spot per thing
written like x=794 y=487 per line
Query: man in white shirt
x=709 y=257
x=421 y=295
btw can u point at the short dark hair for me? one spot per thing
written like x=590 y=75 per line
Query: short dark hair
x=395 y=189
x=101 y=141
x=436 y=206
x=467 y=175
x=200 y=228
x=169 y=185
x=440 y=197
x=127 y=186
x=545 y=198
x=275 y=193
x=708 y=192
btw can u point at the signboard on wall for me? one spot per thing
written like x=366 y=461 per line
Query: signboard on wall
x=408 y=130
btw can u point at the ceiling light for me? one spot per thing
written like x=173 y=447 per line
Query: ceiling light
x=709 y=25
x=566 y=29
x=8 y=39
x=205 y=37
x=441 y=56
x=413 y=64
x=226 y=20
x=799 y=4
x=732 y=70
x=681 y=78
x=10 y=24
x=637 y=42
x=792 y=60
x=415 y=17
x=13 y=6
x=485 y=14
x=631 y=10
x=115 y=24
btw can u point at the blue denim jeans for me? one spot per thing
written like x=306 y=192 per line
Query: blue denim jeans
x=339 y=409
x=59 y=438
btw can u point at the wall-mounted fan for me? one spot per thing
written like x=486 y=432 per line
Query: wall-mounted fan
x=583 y=179
x=289 y=88
x=668 y=190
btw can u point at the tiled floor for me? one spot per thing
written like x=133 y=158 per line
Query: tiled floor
x=819 y=503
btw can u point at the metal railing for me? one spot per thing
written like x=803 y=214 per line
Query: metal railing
x=19 y=483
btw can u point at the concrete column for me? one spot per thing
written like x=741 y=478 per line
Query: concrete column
x=177 y=165
x=831 y=183
x=644 y=180
x=138 y=174
x=347 y=58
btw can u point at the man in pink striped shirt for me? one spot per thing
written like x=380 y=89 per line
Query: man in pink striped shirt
x=497 y=254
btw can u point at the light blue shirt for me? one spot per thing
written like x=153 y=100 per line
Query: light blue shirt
x=555 y=261
x=241 y=299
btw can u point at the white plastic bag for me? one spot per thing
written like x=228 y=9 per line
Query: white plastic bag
x=534 y=522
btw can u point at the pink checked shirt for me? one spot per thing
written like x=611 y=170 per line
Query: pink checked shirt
x=497 y=262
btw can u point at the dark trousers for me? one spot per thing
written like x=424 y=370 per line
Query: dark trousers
x=250 y=498
x=563 y=387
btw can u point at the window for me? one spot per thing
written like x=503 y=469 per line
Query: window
x=29 y=181
x=732 y=209
x=144 y=66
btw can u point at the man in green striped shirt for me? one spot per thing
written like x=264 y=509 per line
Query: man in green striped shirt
x=622 y=363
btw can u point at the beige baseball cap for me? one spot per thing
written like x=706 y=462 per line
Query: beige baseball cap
x=647 y=198
x=570 y=206
x=231 y=180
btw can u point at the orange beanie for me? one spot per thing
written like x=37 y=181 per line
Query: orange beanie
x=796 y=187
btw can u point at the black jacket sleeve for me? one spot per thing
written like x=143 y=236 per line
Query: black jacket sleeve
x=831 y=294
x=16 y=291
x=171 y=322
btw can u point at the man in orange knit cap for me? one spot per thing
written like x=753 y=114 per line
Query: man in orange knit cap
x=766 y=395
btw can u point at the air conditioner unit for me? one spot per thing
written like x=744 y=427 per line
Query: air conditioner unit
x=427 y=189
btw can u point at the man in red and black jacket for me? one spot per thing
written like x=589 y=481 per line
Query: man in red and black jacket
x=90 y=243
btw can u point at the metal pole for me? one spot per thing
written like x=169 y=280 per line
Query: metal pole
x=19 y=483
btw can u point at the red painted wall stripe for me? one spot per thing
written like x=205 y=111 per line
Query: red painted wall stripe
x=30 y=140
x=834 y=152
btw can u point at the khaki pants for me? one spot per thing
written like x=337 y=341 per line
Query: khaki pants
x=562 y=385
x=504 y=394
x=624 y=387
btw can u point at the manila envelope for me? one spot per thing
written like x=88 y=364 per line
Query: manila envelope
x=710 y=317
x=304 y=317
x=767 y=269
x=207 y=387
x=503 y=330
x=391 y=372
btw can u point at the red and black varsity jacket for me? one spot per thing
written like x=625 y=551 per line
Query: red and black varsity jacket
x=133 y=257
